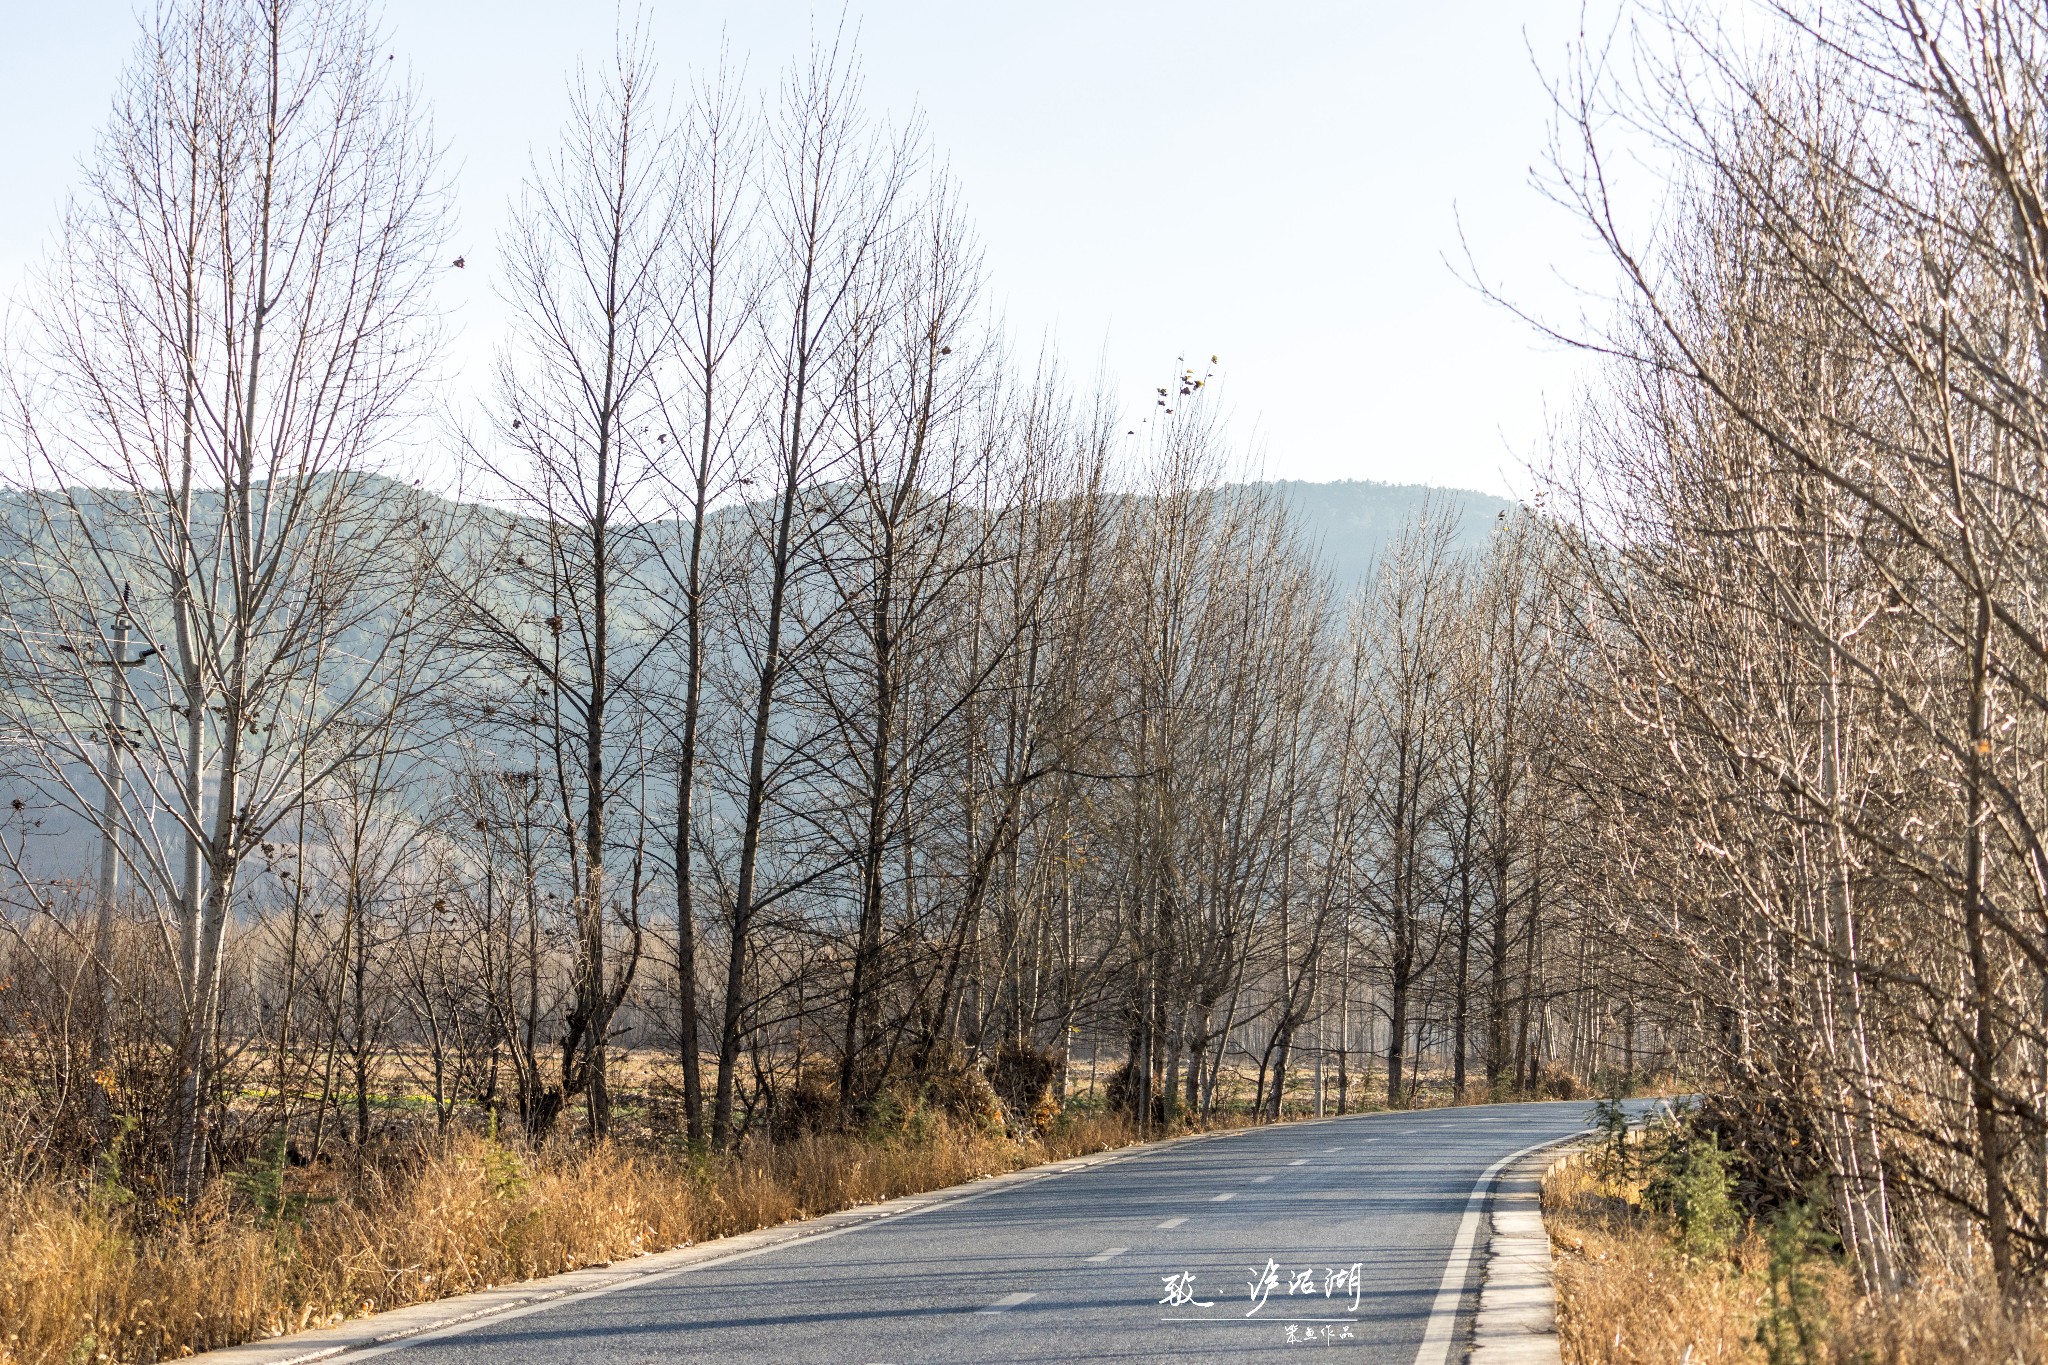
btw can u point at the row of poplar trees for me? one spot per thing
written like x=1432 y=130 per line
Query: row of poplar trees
x=1813 y=505
x=801 y=695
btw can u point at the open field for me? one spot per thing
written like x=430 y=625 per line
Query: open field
x=648 y=1088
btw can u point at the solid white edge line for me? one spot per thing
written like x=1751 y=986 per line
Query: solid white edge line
x=1443 y=1318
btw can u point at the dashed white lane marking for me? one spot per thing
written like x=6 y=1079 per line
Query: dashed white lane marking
x=1108 y=1255
x=1171 y=1223
x=1302 y=1162
x=1328 y=1150
x=1222 y=1198
x=1007 y=1301
x=1260 y=1179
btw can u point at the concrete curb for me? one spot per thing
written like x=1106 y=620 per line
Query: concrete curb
x=388 y=1329
x=1517 y=1319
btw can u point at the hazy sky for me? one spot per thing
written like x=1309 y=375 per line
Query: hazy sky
x=1278 y=185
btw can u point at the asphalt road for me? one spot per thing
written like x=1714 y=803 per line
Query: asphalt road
x=1348 y=1225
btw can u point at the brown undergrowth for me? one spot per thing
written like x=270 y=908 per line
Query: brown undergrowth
x=1635 y=1285
x=1628 y=1293
x=84 y=1276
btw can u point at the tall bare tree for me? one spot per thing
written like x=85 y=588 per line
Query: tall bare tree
x=832 y=207
x=227 y=340
x=573 y=594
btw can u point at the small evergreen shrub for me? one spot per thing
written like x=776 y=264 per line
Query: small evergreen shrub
x=1691 y=1182
x=1795 y=1318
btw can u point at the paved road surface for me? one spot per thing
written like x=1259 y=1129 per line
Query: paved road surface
x=1075 y=1267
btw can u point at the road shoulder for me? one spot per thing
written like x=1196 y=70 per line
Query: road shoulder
x=1516 y=1323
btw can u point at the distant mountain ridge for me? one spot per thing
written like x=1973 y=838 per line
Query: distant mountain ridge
x=1349 y=523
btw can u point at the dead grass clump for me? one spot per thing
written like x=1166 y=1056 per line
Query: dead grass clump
x=1072 y=1134
x=1942 y=1320
x=1628 y=1293
x=82 y=1278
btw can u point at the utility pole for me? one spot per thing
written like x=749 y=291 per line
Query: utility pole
x=118 y=663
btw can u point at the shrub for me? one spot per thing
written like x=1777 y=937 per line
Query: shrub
x=1610 y=1119
x=1690 y=1183
x=1023 y=1078
x=1795 y=1318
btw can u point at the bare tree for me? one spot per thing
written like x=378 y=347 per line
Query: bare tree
x=1407 y=628
x=704 y=410
x=574 y=596
x=227 y=339
x=833 y=208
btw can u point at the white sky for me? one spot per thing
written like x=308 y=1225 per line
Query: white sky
x=1275 y=184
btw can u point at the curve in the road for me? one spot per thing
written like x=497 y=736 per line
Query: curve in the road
x=1349 y=1237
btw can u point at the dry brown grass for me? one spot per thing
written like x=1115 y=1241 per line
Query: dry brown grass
x=79 y=1282
x=1940 y=1321
x=1628 y=1295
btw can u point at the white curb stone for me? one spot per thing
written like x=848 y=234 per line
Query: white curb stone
x=1517 y=1319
